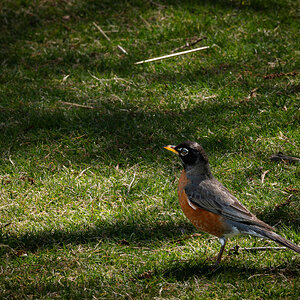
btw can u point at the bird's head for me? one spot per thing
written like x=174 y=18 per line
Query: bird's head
x=191 y=154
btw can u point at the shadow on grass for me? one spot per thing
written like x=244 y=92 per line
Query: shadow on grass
x=24 y=16
x=113 y=127
x=27 y=21
x=118 y=134
x=94 y=285
x=121 y=233
x=183 y=271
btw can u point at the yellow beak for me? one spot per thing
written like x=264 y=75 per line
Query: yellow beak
x=171 y=148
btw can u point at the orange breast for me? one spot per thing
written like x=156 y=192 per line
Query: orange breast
x=202 y=219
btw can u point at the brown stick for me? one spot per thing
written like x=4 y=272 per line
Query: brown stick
x=4 y=225
x=280 y=157
x=188 y=45
x=271 y=76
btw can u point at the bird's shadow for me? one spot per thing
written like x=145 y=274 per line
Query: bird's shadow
x=228 y=268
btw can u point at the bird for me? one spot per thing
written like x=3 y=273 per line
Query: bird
x=210 y=206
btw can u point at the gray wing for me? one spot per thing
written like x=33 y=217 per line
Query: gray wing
x=211 y=195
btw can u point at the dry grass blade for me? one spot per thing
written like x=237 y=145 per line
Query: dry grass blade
x=105 y=35
x=263 y=175
x=101 y=31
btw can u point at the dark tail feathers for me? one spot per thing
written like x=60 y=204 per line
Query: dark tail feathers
x=280 y=240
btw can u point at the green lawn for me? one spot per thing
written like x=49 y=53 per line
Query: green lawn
x=88 y=201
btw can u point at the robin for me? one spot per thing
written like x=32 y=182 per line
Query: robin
x=210 y=206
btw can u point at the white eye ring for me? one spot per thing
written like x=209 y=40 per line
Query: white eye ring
x=183 y=151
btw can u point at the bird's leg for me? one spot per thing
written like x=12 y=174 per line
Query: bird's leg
x=223 y=244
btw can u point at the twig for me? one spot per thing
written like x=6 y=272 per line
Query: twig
x=104 y=34
x=10 y=160
x=188 y=45
x=122 y=49
x=292 y=190
x=4 y=225
x=101 y=31
x=280 y=157
x=66 y=77
x=76 y=105
x=131 y=183
x=263 y=175
x=253 y=249
x=271 y=76
x=236 y=249
x=170 y=55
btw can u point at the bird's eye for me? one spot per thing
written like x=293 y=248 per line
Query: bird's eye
x=184 y=151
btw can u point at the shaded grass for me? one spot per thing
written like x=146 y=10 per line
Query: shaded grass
x=88 y=202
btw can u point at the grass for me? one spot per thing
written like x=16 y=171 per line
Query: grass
x=88 y=198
